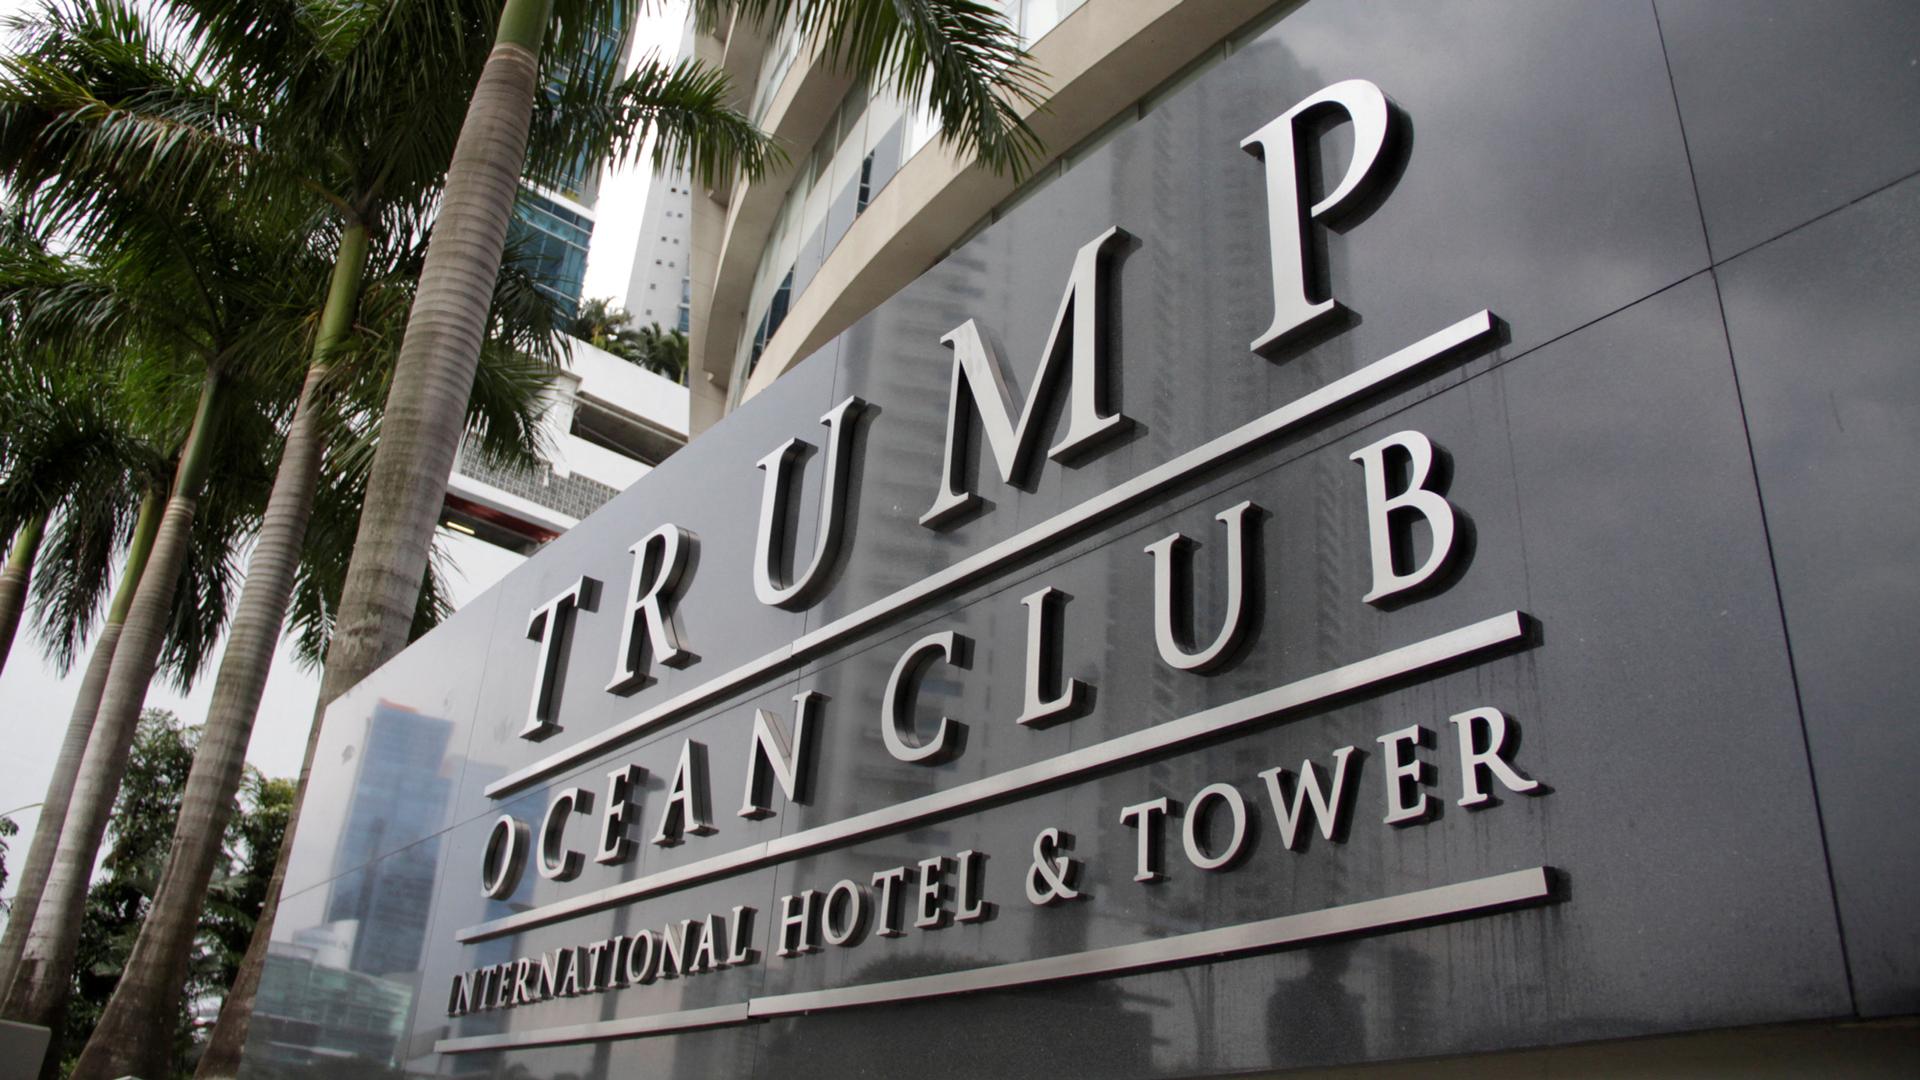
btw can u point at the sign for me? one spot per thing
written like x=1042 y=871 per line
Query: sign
x=1412 y=538
x=1291 y=591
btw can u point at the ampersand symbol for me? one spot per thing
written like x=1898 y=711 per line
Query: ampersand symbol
x=1050 y=878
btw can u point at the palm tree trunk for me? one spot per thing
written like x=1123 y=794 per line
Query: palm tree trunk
x=66 y=767
x=419 y=431
x=44 y=977
x=134 y=1036
x=426 y=407
x=13 y=581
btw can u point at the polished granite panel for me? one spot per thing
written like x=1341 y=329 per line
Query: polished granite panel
x=1823 y=323
x=392 y=751
x=1792 y=109
x=1656 y=700
x=342 y=979
x=1594 y=448
x=1516 y=196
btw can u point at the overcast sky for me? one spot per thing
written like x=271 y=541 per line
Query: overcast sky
x=35 y=700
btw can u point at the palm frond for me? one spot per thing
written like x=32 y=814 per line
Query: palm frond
x=99 y=101
x=960 y=56
x=592 y=114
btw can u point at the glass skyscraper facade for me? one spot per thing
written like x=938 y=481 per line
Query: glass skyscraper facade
x=557 y=238
x=554 y=228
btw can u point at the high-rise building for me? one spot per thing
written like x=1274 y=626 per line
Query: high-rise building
x=661 y=289
x=556 y=223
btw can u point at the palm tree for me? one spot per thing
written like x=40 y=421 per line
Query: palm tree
x=66 y=461
x=42 y=978
x=663 y=351
x=188 y=282
x=78 y=457
x=14 y=577
x=64 y=454
x=502 y=421
x=73 y=746
x=604 y=326
x=591 y=112
x=960 y=53
x=377 y=175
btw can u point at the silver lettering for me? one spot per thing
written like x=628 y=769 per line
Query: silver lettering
x=844 y=914
x=978 y=372
x=551 y=625
x=776 y=512
x=460 y=1000
x=649 y=628
x=796 y=923
x=1145 y=818
x=1277 y=145
x=969 y=888
x=505 y=858
x=896 y=704
x=929 y=914
x=623 y=784
x=706 y=955
x=1438 y=512
x=687 y=808
x=1044 y=631
x=1493 y=758
x=771 y=752
x=739 y=949
x=673 y=949
x=1172 y=566
x=569 y=982
x=1326 y=806
x=885 y=880
x=1194 y=826
x=556 y=861
x=1404 y=769
x=641 y=958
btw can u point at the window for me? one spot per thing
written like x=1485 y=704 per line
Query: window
x=557 y=239
x=770 y=322
x=866 y=186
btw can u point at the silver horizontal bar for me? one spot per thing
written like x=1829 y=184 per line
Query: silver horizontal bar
x=1479 y=896
x=1499 y=631
x=975 y=567
x=1502 y=890
x=625 y=1028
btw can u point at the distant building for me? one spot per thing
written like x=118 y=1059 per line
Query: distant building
x=661 y=288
